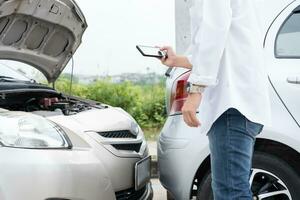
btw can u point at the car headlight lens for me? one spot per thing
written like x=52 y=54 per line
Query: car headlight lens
x=22 y=130
x=135 y=129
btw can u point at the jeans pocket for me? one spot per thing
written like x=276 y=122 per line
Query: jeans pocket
x=253 y=128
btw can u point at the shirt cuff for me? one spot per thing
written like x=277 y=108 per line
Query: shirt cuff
x=202 y=80
x=189 y=57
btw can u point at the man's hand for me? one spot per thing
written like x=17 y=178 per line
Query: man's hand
x=174 y=60
x=170 y=61
x=190 y=108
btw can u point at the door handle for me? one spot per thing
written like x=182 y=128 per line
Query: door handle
x=293 y=79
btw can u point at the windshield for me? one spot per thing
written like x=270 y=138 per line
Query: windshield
x=8 y=71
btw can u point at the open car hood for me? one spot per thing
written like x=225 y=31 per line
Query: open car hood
x=41 y=33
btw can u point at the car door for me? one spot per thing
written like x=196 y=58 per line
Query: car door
x=282 y=47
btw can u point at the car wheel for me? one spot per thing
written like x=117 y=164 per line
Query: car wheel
x=271 y=179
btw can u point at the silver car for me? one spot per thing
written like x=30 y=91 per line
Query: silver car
x=54 y=146
x=183 y=153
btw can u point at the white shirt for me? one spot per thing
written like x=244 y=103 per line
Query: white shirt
x=226 y=52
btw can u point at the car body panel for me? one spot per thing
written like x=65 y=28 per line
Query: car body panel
x=60 y=172
x=173 y=145
x=119 y=164
x=93 y=121
x=84 y=127
x=178 y=168
x=268 y=11
x=182 y=150
x=43 y=34
x=76 y=174
x=282 y=69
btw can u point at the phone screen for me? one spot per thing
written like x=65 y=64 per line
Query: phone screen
x=150 y=51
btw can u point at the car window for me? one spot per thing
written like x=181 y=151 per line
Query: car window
x=288 y=38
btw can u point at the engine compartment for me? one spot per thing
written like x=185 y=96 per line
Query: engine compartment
x=45 y=102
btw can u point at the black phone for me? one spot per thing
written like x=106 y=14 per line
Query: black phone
x=149 y=51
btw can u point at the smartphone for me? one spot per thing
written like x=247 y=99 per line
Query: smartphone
x=149 y=51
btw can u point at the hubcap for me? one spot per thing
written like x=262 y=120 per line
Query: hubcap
x=267 y=186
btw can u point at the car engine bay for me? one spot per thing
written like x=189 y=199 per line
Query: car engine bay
x=45 y=102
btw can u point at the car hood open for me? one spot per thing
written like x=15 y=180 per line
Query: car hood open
x=41 y=33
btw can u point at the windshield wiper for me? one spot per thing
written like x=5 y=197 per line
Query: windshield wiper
x=6 y=78
x=11 y=79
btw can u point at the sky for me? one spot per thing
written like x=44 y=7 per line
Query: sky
x=115 y=27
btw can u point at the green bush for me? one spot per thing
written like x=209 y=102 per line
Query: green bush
x=144 y=102
x=123 y=95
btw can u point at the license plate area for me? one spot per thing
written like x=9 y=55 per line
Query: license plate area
x=142 y=172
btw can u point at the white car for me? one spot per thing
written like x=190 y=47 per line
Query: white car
x=54 y=146
x=183 y=153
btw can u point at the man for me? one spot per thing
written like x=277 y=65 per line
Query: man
x=228 y=84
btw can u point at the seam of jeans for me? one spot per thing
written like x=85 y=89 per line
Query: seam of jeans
x=247 y=129
x=228 y=141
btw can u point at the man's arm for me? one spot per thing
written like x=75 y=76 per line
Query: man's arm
x=210 y=41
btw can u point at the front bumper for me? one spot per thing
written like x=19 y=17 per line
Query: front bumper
x=146 y=193
x=43 y=174
x=118 y=155
x=120 y=167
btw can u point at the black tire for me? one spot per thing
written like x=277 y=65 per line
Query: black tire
x=281 y=169
x=204 y=191
x=265 y=162
x=169 y=196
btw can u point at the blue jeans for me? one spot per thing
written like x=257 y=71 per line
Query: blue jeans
x=231 y=141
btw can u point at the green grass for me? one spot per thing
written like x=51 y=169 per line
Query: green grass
x=151 y=134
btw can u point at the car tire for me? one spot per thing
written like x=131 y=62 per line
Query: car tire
x=204 y=191
x=265 y=166
x=169 y=196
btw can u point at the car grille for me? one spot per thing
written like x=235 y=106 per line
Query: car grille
x=128 y=147
x=130 y=194
x=117 y=134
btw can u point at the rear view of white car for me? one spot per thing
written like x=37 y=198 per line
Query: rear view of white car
x=183 y=153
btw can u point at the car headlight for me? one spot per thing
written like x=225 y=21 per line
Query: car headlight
x=135 y=129
x=23 y=130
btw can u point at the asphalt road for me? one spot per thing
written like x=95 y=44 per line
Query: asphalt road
x=159 y=192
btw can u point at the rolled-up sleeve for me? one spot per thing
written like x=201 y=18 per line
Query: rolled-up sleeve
x=210 y=41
